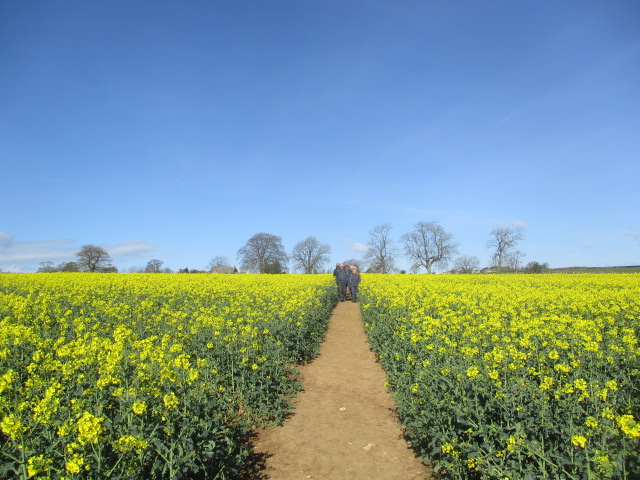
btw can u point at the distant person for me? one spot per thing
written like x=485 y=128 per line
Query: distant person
x=347 y=292
x=342 y=279
x=354 y=281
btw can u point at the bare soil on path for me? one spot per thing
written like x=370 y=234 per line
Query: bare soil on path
x=343 y=425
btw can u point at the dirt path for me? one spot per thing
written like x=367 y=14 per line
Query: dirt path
x=343 y=424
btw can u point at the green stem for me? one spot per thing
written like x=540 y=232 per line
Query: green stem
x=543 y=458
x=23 y=460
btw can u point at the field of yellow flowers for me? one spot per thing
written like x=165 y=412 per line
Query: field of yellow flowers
x=513 y=376
x=148 y=376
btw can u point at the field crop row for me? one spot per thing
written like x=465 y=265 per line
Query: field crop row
x=148 y=376
x=513 y=377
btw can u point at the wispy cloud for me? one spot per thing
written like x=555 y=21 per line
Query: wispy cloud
x=634 y=233
x=130 y=249
x=520 y=225
x=359 y=247
x=17 y=256
x=516 y=224
x=6 y=239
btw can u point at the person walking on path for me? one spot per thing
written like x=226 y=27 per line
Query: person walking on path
x=354 y=281
x=342 y=279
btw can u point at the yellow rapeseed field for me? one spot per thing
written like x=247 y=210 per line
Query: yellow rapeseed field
x=161 y=376
x=513 y=376
x=148 y=376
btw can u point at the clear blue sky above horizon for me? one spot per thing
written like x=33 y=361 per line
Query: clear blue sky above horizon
x=177 y=130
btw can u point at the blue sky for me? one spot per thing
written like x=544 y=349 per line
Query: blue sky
x=177 y=130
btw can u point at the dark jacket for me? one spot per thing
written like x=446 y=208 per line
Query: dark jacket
x=354 y=279
x=342 y=276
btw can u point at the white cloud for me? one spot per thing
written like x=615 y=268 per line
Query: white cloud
x=20 y=252
x=517 y=224
x=359 y=247
x=520 y=225
x=130 y=248
x=6 y=239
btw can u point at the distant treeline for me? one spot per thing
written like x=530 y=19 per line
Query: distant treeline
x=619 y=269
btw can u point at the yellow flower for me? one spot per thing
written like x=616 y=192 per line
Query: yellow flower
x=546 y=384
x=12 y=426
x=579 y=441
x=73 y=465
x=128 y=443
x=72 y=447
x=182 y=361
x=139 y=407
x=46 y=407
x=7 y=379
x=449 y=449
x=581 y=384
x=603 y=394
x=473 y=372
x=591 y=347
x=591 y=422
x=604 y=465
x=39 y=464
x=89 y=428
x=65 y=428
x=171 y=401
x=608 y=413
x=629 y=426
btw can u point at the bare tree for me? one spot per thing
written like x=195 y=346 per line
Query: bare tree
x=466 y=264
x=380 y=256
x=428 y=246
x=503 y=240
x=92 y=258
x=263 y=253
x=310 y=256
x=357 y=263
x=154 y=266
x=46 y=267
x=219 y=261
x=512 y=260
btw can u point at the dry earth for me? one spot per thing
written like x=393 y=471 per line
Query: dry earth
x=343 y=424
